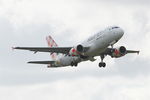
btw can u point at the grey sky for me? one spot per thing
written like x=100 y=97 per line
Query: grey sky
x=28 y=22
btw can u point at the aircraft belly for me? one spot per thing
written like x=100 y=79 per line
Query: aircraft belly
x=96 y=51
x=66 y=61
x=97 y=48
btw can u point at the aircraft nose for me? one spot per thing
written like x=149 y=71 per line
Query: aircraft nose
x=121 y=32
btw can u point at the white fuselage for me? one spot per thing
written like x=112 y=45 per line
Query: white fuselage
x=98 y=43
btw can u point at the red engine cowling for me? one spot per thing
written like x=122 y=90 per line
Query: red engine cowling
x=76 y=51
x=118 y=52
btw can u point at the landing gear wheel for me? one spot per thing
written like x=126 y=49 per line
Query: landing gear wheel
x=102 y=64
x=76 y=64
x=72 y=64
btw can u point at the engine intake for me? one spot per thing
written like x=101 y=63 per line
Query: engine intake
x=80 y=48
x=122 y=50
x=76 y=51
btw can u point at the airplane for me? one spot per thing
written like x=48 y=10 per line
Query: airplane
x=100 y=44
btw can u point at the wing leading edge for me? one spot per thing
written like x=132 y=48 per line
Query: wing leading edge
x=64 y=50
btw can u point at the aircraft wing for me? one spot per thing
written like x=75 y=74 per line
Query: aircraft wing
x=42 y=62
x=64 y=50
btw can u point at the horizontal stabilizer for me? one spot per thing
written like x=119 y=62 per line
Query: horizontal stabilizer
x=41 y=62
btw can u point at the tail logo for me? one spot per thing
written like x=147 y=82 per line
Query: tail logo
x=51 y=43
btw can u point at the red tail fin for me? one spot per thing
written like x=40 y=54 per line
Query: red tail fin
x=51 y=43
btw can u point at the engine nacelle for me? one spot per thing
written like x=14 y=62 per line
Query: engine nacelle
x=76 y=51
x=118 y=52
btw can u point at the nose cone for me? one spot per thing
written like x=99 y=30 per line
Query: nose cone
x=121 y=32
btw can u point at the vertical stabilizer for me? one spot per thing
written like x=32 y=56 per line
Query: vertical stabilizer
x=52 y=43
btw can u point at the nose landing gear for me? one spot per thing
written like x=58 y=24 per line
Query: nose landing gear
x=102 y=64
x=74 y=64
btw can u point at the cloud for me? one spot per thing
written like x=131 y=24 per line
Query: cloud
x=122 y=2
x=82 y=88
x=28 y=22
x=22 y=22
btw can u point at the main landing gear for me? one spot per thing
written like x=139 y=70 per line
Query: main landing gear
x=102 y=64
x=74 y=64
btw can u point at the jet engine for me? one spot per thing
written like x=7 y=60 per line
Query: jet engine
x=118 y=52
x=76 y=51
